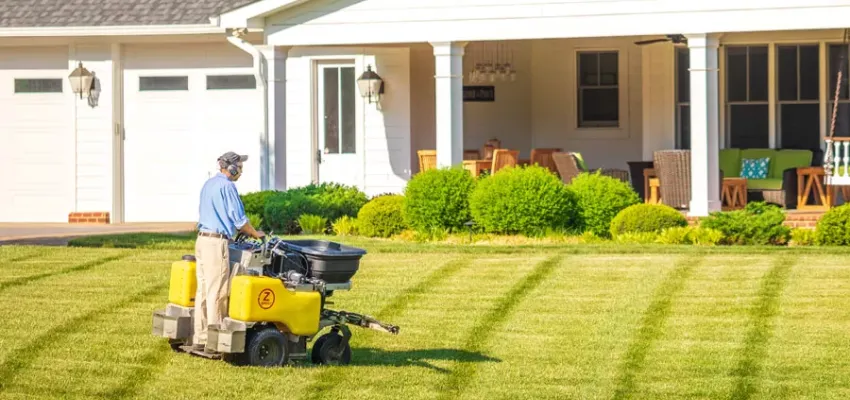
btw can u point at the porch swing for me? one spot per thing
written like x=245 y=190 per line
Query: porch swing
x=836 y=167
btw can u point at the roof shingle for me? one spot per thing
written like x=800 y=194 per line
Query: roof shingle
x=56 y=13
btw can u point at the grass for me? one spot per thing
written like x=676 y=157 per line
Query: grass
x=476 y=322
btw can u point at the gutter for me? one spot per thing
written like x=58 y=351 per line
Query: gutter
x=267 y=178
x=112 y=30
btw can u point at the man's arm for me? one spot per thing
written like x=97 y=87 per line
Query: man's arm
x=250 y=231
x=236 y=212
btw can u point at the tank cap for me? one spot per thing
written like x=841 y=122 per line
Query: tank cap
x=188 y=257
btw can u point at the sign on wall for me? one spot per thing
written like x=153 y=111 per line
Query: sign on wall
x=479 y=93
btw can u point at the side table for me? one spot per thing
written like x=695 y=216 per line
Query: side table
x=734 y=196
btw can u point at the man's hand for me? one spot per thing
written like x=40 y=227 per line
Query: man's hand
x=250 y=231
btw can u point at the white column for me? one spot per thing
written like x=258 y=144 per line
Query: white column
x=273 y=154
x=705 y=119
x=449 y=79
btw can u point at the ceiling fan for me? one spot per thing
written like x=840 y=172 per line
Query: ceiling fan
x=676 y=39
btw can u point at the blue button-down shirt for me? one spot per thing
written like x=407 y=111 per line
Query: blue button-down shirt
x=221 y=209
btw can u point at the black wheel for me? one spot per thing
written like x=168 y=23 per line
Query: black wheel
x=175 y=345
x=266 y=348
x=326 y=350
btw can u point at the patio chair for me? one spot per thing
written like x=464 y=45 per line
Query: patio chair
x=570 y=165
x=504 y=158
x=543 y=158
x=471 y=154
x=673 y=169
x=427 y=159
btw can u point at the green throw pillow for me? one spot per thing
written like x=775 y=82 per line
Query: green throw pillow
x=754 y=168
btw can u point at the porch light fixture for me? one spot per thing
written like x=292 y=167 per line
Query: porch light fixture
x=81 y=80
x=371 y=85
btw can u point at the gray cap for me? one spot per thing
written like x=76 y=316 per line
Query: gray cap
x=232 y=158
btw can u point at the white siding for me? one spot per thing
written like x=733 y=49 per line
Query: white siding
x=36 y=138
x=659 y=118
x=321 y=22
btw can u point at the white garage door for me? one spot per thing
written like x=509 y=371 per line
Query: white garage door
x=183 y=107
x=36 y=135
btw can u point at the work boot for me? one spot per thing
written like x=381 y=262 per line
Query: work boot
x=198 y=347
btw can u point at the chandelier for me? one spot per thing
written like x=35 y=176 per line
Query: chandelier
x=492 y=63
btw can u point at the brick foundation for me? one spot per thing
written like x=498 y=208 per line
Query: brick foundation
x=793 y=219
x=89 y=217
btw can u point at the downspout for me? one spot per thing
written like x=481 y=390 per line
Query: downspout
x=267 y=177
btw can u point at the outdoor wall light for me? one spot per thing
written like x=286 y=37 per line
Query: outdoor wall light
x=82 y=81
x=371 y=85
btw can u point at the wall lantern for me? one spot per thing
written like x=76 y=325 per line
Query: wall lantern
x=371 y=85
x=81 y=80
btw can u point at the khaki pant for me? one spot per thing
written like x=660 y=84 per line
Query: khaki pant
x=213 y=275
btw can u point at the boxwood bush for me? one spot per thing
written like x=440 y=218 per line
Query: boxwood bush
x=758 y=223
x=328 y=200
x=528 y=200
x=600 y=198
x=255 y=203
x=438 y=199
x=382 y=217
x=646 y=218
x=833 y=228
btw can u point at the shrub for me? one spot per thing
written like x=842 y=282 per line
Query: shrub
x=636 y=237
x=758 y=223
x=312 y=224
x=282 y=210
x=702 y=236
x=256 y=220
x=328 y=200
x=833 y=228
x=438 y=199
x=690 y=235
x=600 y=198
x=382 y=217
x=345 y=226
x=337 y=200
x=646 y=218
x=522 y=200
x=802 y=237
x=255 y=203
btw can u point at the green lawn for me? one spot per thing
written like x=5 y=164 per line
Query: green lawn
x=552 y=322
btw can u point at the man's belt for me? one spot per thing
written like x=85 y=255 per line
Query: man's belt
x=212 y=235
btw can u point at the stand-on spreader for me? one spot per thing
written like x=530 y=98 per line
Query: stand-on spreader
x=278 y=294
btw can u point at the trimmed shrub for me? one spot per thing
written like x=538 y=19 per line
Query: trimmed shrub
x=255 y=203
x=803 y=237
x=345 y=226
x=600 y=198
x=312 y=224
x=438 y=199
x=382 y=217
x=833 y=228
x=328 y=200
x=758 y=223
x=256 y=220
x=337 y=200
x=282 y=211
x=526 y=200
x=646 y=218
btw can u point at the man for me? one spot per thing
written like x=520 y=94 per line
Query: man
x=222 y=215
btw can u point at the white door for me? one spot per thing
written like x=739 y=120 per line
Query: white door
x=36 y=135
x=185 y=105
x=337 y=141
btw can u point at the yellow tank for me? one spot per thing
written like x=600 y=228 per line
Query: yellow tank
x=264 y=299
x=183 y=284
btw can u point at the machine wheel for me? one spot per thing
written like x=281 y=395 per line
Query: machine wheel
x=266 y=348
x=326 y=347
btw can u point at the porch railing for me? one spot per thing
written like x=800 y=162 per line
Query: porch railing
x=837 y=161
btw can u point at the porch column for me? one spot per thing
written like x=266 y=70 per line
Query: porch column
x=449 y=79
x=273 y=140
x=705 y=119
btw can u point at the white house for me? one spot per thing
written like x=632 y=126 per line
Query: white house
x=180 y=82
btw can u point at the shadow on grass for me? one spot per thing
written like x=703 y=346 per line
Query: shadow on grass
x=151 y=240
x=373 y=357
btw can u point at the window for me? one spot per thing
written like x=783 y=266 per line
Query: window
x=799 y=96
x=336 y=109
x=683 y=98
x=838 y=57
x=220 y=82
x=746 y=97
x=38 y=85
x=150 y=83
x=598 y=89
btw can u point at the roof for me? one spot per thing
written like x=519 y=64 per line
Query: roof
x=59 y=13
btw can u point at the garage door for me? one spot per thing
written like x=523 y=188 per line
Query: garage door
x=36 y=132
x=183 y=107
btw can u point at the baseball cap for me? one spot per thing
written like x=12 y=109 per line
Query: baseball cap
x=232 y=158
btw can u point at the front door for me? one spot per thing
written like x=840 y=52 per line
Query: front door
x=337 y=156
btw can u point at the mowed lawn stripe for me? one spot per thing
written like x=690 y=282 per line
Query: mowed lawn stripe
x=807 y=353
x=706 y=326
x=434 y=331
x=30 y=279
x=378 y=286
x=49 y=259
x=568 y=334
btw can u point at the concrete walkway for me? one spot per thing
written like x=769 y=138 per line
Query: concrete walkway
x=58 y=234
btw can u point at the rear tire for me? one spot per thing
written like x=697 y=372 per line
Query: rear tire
x=266 y=348
x=326 y=347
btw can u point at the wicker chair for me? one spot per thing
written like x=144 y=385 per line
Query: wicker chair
x=504 y=158
x=543 y=158
x=673 y=168
x=427 y=159
x=569 y=167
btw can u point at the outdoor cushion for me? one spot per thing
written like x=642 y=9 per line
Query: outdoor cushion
x=764 y=184
x=785 y=159
x=758 y=153
x=754 y=168
x=730 y=162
